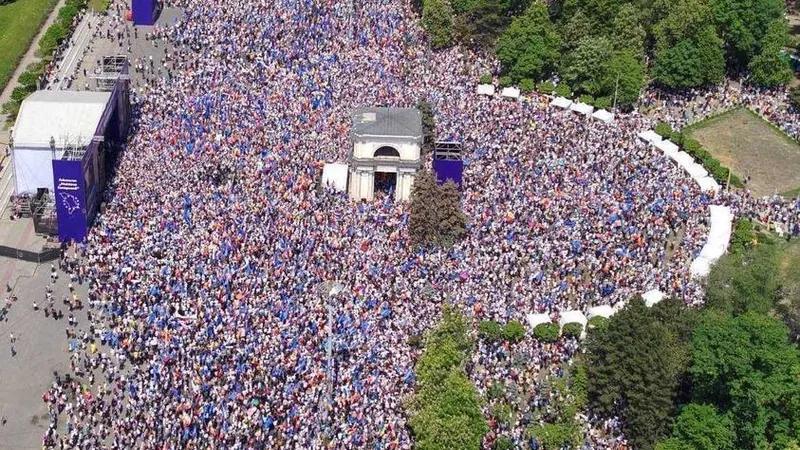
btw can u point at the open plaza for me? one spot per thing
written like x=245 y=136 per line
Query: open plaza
x=235 y=266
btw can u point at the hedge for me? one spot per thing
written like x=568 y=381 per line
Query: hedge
x=696 y=150
x=572 y=330
x=506 y=81
x=486 y=79
x=547 y=332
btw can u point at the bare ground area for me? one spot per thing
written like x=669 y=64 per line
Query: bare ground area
x=748 y=145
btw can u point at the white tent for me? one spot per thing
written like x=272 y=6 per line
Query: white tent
x=603 y=115
x=336 y=175
x=700 y=267
x=574 y=316
x=707 y=184
x=535 y=320
x=652 y=297
x=668 y=147
x=650 y=136
x=486 y=89
x=696 y=171
x=561 y=102
x=510 y=92
x=582 y=108
x=601 y=310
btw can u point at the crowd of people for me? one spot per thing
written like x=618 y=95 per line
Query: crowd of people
x=210 y=267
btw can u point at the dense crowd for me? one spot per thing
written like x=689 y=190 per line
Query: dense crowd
x=209 y=267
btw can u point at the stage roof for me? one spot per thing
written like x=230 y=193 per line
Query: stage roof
x=394 y=122
x=68 y=116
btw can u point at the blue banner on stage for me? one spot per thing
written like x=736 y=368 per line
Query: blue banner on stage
x=70 y=198
x=449 y=170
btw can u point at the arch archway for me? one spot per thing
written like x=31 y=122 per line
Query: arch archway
x=386 y=151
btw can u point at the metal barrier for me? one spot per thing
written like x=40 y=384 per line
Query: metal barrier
x=49 y=254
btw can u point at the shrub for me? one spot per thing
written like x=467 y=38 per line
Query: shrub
x=66 y=15
x=586 y=98
x=526 y=85
x=692 y=146
x=10 y=109
x=503 y=443
x=503 y=413
x=28 y=79
x=490 y=330
x=597 y=322
x=664 y=130
x=572 y=330
x=496 y=390
x=514 y=331
x=743 y=236
x=19 y=93
x=546 y=87
x=486 y=79
x=415 y=341
x=603 y=103
x=506 y=81
x=564 y=90
x=547 y=332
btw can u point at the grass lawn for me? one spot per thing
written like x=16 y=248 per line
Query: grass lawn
x=19 y=23
x=98 y=5
x=749 y=145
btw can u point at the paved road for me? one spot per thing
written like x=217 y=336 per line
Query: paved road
x=41 y=347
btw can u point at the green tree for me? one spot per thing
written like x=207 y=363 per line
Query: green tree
x=634 y=342
x=422 y=223
x=768 y=67
x=514 y=331
x=574 y=29
x=529 y=47
x=428 y=124
x=700 y=427
x=628 y=31
x=742 y=282
x=624 y=75
x=451 y=220
x=743 y=23
x=445 y=412
x=585 y=67
x=747 y=367
x=437 y=21
x=691 y=62
x=555 y=436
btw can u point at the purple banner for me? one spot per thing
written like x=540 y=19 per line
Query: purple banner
x=144 y=12
x=448 y=170
x=70 y=197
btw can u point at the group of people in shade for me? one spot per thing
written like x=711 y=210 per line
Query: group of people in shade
x=209 y=270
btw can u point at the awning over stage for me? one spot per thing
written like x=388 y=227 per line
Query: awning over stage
x=335 y=174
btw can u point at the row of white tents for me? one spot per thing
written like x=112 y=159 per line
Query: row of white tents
x=721 y=218
x=559 y=102
x=576 y=316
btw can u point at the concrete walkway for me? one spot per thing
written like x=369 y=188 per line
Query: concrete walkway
x=30 y=57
